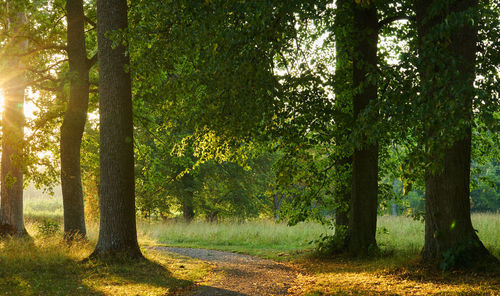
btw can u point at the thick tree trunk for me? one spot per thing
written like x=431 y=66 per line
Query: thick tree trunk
x=188 y=197
x=450 y=239
x=11 y=214
x=363 y=208
x=74 y=122
x=117 y=232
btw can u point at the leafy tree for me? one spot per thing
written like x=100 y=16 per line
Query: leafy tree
x=485 y=197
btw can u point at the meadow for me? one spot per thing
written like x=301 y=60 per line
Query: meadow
x=396 y=235
x=46 y=265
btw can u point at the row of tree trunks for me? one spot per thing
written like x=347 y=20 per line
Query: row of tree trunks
x=450 y=239
x=74 y=121
x=11 y=213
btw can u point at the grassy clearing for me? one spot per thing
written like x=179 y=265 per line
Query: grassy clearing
x=45 y=265
x=395 y=272
x=36 y=209
x=400 y=236
x=263 y=238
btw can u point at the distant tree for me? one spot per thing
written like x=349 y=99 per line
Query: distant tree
x=13 y=121
x=485 y=196
x=117 y=230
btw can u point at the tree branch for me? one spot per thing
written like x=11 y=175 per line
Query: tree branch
x=90 y=22
x=91 y=62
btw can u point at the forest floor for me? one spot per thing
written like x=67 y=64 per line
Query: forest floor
x=242 y=275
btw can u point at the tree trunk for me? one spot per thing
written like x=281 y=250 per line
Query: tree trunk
x=74 y=122
x=188 y=197
x=450 y=239
x=278 y=198
x=117 y=231
x=363 y=210
x=11 y=214
x=396 y=193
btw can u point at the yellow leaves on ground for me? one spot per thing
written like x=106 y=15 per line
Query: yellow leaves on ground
x=352 y=278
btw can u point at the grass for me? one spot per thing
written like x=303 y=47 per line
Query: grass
x=400 y=236
x=395 y=272
x=262 y=238
x=382 y=276
x=45 y=265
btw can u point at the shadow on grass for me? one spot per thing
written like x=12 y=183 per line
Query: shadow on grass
x=209 y=291
x=388 y=269
x=135 y=277
x=49 y=267
x=28 y=269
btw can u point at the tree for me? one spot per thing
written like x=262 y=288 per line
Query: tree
x=74 y=121
x=11 y=215
x=117 y=231
x=447 y=36
x=364 y=191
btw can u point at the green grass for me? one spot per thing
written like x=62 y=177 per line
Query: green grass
x=401 y=236
x=263 y=238
x=404 y=236
x=43 y=208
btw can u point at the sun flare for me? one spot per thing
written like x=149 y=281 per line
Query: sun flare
x=30 y=109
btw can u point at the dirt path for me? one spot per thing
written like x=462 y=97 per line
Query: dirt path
x=239 y=275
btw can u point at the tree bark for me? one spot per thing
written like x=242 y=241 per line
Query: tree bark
x=364 y=191
x=117 y=231
x=11 y=214
x=74 y=122
x=450 y=239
